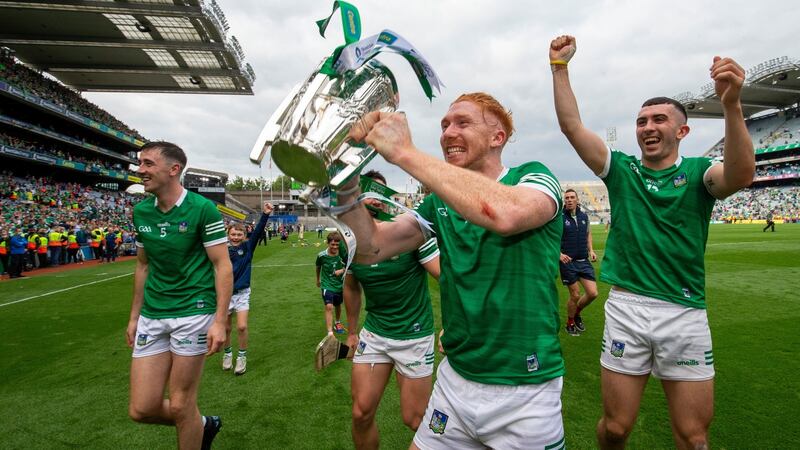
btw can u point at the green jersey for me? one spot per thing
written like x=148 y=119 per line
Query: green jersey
x=328 y=264
x=499 y=298
x=180 y=277
x=659 y=228
x=396 y=290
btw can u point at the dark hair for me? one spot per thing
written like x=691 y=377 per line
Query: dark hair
x=168 y=150
x=667 y=101
x=334 y=236
x=375 y=175
x=570 y=190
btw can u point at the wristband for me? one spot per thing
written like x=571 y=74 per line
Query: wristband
x=558 y=62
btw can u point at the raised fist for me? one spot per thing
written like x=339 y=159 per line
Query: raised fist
x=562 y=48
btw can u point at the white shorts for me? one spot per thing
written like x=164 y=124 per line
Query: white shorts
x=645 y=335
x=462 y=414
x=412 y=358
x=184 y=336
x=240 y=301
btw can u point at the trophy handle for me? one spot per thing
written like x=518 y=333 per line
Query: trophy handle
x=272 y=128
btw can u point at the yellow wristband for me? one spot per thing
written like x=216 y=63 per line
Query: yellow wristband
x=558 y=62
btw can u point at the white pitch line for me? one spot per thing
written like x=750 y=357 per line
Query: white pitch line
x=65 y=289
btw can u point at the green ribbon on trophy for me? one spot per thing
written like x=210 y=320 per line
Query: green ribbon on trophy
x=356 y=53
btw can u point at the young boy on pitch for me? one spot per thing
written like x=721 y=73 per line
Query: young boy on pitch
x=241 y=253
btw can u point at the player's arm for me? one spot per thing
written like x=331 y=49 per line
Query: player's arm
x=258 y=231
x=590 y=147
x=139 y=277
x=592 y=254
x=223 y=282
x=506 y=210
x=433 y=267
x=739 y=163
x=352 y=303
x=318 y=271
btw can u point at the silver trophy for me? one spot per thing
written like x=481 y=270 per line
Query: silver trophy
x=308 y=132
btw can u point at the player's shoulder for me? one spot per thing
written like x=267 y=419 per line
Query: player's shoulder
x=529 y=168
x=322 y=254
x=146 y=204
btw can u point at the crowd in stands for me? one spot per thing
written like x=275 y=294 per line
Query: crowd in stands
x=774 y=170
x=760 y=203
x=31 y=81
x=56 y=150
x=40 y=206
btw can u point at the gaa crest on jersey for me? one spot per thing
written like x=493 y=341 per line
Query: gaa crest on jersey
x=438 y=422
x=183 y=227
x=533 y=362
x=679 y=181
x=141 y=340
x=617 y=348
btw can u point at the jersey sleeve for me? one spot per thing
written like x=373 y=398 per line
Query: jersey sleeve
x=318 y=263
x=212 y=225
x=136 y=240
x=537 y=176
x=427 y=251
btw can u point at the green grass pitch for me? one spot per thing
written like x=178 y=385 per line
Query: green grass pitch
x=64 y=364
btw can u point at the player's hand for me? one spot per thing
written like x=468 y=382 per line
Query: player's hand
x=593 y=256
x=441 y=347
x=562 y=48
x=130 y=332
x=338 y=273
x=565 y=259
x=216 y=337
x=728 y=79
x=352 y=343
x=268 y=208
x=387 y=133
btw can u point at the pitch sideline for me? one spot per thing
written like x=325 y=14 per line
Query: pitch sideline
x=65 y=289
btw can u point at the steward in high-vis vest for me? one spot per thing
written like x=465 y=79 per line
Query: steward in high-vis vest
x=33 y=242
x=55 y=246
x=4 y=245
x=41 y=250
x=72 y=247
x=97 y=238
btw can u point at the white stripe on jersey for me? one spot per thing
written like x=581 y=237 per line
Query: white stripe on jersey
x=221 y=240
x=215 y=225
x=544 y=180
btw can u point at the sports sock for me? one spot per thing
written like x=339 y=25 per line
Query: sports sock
x=570 y=321
x=204 y=420
x=228 y=349
x=242 y=352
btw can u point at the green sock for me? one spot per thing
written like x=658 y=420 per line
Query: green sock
x=228 y=349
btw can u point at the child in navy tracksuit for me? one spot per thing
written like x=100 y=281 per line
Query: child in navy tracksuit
x=241 y=254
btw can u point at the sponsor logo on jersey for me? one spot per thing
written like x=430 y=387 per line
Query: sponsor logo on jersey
x=240 y=252
x=416 y=327
x=201 y=304
x=438 y=422
x=617 y=348
x=651 y=184
x=533 y=362
x=165 y=224
x=141 y=340
x=679 y=181
x=687 y=362
x=183 y=227
x=361 y=346
x=144 y=229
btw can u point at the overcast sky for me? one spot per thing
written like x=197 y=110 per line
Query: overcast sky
x=628 y=51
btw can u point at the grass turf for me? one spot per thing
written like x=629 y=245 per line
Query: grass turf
x=64 y=370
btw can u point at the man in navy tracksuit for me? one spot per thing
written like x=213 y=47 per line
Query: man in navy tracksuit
x=241 y=254
x=576 y=257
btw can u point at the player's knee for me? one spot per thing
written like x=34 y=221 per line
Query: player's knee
x=140 y=414
x=613 y=431
x=591 y=294
x=412 y=419
x=695 y=437
x=328 y=307
x=362 y=417
x=180 y=407
x=241 y=328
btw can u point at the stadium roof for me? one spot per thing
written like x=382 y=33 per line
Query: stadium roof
x=773 y=84
x=129 y=46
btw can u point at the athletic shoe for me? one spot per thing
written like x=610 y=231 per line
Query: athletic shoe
x=241 y=365
x=340 y=329
x=327 y=352
x=210 y=430
x=227 y=361
x=572 y=330
x=579 y=323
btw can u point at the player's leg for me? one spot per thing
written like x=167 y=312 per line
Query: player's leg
x=414 y=396
x=184 y=381
x=622 y=395
x=691 y=409
x=329 y=317
x=589 y=294
x=367 y=384
x=227 y=351
x=242 y=332
x=148 y=379
x=572 y=307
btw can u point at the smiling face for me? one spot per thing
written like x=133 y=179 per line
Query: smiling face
x=235 y=236
x=659 y=129
x=157 y=171
x=470 y=135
